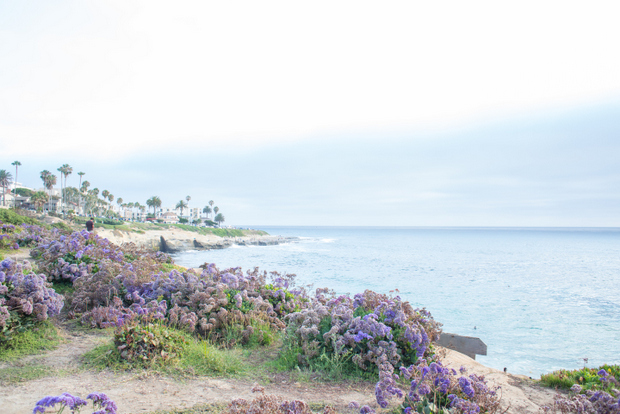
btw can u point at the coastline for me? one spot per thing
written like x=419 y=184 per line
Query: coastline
x=175 y=240
x=520 y=394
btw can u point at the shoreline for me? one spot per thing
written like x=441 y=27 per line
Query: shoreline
x=178 y=240
x=520 y=394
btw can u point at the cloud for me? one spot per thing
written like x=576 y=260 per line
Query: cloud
x=317 y=113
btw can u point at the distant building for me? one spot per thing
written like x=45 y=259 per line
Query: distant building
x=169 y=217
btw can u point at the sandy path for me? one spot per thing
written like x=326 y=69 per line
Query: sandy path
x=519 y=394
x=144 y=392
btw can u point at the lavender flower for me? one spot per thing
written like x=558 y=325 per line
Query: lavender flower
x=64 y=400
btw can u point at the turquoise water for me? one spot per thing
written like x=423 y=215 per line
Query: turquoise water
x=541 y=299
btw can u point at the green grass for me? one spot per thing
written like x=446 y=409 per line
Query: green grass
x=63 y=288
x=216 y=231
x=10 y=216
x=122 y=227
x=196 y=358
x=587 y=378
x=22 y=373
x=43 y=336
x=168 y=267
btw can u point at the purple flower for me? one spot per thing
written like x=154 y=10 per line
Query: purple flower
x=366 y=410
x=65 y=400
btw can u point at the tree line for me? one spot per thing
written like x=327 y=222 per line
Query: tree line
x=87 y=199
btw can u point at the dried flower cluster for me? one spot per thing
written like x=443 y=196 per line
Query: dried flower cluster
x=271 y=404
x=25 y=297
x=372 y=327
x=115 y=285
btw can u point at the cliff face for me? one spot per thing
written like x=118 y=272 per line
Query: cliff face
x=176 y=240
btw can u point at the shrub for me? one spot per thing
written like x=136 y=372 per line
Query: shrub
x=149 y=343
x=25 y=298
x=434 y=389
x=586 y=378
x=228 y=306
x=7 y=239
x=11 y=217
x=369 y=327
x=586 y=401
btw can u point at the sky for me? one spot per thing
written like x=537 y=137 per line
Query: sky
x=346 y=113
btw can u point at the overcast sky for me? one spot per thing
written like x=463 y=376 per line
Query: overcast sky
x=323 y=113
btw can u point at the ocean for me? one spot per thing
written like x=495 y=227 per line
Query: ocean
x=541 y=299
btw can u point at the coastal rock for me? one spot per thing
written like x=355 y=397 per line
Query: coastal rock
x=176 y=240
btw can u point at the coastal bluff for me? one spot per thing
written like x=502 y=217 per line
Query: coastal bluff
x=175 y=240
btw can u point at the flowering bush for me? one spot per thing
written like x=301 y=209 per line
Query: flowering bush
x=218 y=303
x=6 y=236
x=68 y=257
x=100 y=401
x=434 y=388
x=587 y=401
x=115 y=284
x=586 y=378
x=372 y=328
x=25 y=297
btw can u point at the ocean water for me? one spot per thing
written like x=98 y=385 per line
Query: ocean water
x=541 y=299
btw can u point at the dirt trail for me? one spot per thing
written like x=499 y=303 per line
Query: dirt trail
x=143 y=393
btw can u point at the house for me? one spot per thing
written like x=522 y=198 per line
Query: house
x=169 y=217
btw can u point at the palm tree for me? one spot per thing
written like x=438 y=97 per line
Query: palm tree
x=207 y=210
x=84 y=186
x=110 y=198
x=81 y=174
x=5 y=181
x=44 y=175
x=65 y=170
x=121 y=206
x=211 y=203
x=16 y=164
x=216 y=209
x=188 y=210
x=220 y=218
x=154 y=202
x=105 y=194
x=181 y=205
x=38 y=199
x=50 y=182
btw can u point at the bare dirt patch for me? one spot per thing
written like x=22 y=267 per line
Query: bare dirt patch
x=145 y=392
